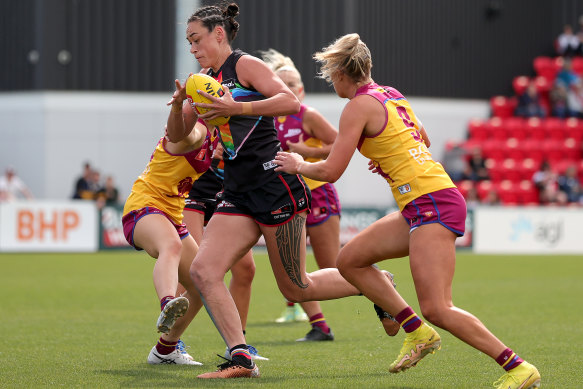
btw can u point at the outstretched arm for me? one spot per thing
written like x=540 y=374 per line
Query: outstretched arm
x=316 y=125
x=352 y=124
x=182 y=116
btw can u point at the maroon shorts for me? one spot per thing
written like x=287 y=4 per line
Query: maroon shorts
x=446 y=207
x=325 y=203
x=129 y=223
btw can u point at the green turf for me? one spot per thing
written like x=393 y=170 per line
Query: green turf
x=88 y=320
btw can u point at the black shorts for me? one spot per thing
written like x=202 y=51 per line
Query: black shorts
x=271 y=204
x=202 y=196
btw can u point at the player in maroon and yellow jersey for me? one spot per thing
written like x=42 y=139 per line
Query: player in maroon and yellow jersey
x=379 y=122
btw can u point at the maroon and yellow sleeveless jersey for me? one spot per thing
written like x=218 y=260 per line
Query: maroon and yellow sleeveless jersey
x=398 y=150
x=167 y=179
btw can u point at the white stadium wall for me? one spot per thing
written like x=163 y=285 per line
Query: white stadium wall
x=48 y=136
x=77 y=226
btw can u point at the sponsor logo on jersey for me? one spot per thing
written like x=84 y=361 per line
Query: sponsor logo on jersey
x=225 y=204
x=269 y=165
x=404 y=189
x=229 y=83
x=282 y=212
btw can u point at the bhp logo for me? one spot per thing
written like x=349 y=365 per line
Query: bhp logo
x=41 y=225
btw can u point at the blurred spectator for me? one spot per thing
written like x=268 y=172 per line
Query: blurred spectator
x=568 y=43
x=454 y=162
x=567 y=76
x=558 y=100
x=82 y=190
x=545 y=180
x=12 y=187
x=108 y=194
x=575 y=99
x=570 y=186
x=492 y=197
x=476 y=168
x=529 y=103
x=472 y=198
x=94 y=182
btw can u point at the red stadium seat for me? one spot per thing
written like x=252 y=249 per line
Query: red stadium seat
x=553 y=151
x=577 y=65
x=515 y=149
x=471 y=144
x=519 y=84
x=527 y=167
x=515 y=127
x=558 y=63
x=571 y=149
x=494 y=148
x=535 y=129
x=507 y=192
x=546 y=67
x=527 y=193
x=477 y=130
x=580 y=169
x=464 y=187
x=483 y=187
x=502 y=106
x=574 y=128
x=543 y=86
x=510 y=172
x=554 y=128
x=496 y=129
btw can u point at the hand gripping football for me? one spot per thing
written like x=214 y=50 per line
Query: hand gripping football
x=209 y=85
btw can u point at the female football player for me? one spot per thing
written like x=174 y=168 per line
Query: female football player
x=379 y=122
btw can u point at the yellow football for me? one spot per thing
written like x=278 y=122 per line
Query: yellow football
x=209 y=85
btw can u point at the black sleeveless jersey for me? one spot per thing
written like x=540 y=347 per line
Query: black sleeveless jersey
x=250 y=142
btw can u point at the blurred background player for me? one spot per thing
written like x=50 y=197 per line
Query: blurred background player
x=380 y=123
x=309 y=134
x=152 y=222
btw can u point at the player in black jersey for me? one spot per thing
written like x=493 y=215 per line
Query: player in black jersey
x=256 y=200
x=200 y=206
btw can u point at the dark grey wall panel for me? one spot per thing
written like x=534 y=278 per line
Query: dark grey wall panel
x=17 y=36
x=87 y=45
x=446 y=48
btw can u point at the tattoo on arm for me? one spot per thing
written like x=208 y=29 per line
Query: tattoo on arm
x=289 y=238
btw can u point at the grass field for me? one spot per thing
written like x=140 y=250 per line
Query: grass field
x=88 y=320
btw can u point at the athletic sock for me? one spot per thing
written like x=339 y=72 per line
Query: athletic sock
x=318 y=320
x=165 y=347
x=508 y=359
x=164 y=300
x=408 y=319
x=240 y=354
